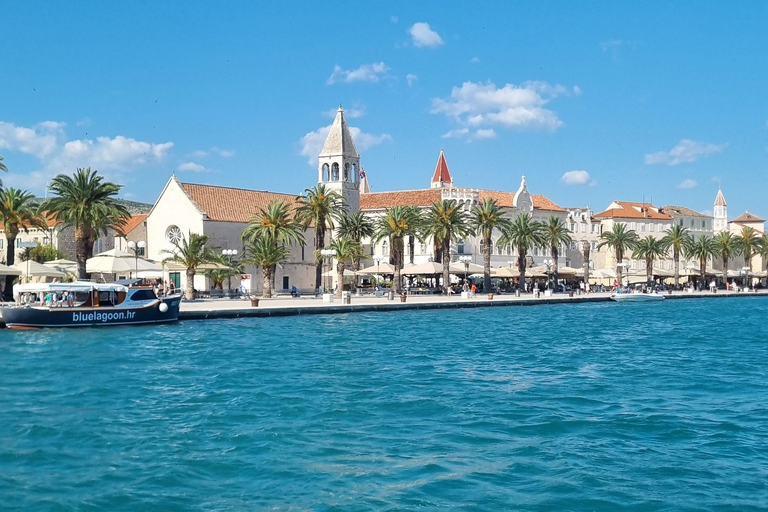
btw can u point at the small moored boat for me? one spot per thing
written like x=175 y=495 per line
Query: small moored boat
x=636 y=297
x=83 y=303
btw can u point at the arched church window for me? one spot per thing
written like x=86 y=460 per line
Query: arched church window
x=173 y=234
x=385 y=249
x=346 y=171
x=355 y=176
x=335 y=172
x=326 y=173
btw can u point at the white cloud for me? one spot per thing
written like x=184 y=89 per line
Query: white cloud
x=423 y=36
x=687 y=184
x=456 y=134
x=224 y=153
x=365 y=73
x=686 y=151
x=474 y=60
x=485 y=134
x=191 y=167
x=47 y=142
x=312 y=142
x=199 y=153
x=349 y=113
x=512 y=106
x=410 y=78
x=577 y=178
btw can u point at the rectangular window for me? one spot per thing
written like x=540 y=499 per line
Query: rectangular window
x=583 y=228
x=286 y=282
x=703 y=224
x=594 y=246
x=642 y=226
x=633 y=226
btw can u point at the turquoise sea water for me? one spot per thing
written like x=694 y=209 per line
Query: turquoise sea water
x=641 y=407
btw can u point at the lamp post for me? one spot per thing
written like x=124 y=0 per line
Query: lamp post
x=548 y=262
x=378 y=260
x=229 y=253
x=746 y=270
x=328 y=254
x=135 y=247
x=465 y=260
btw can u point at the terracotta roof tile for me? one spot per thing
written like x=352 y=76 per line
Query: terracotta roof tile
x=232 y=204
x=629 y=210
x=748 y=217
x=381 y=200
x=543 y=203
x=132 y=223
x=441 y=170
x=501 y=198
x=682 y=210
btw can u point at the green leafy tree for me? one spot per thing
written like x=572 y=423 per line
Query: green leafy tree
x=267 y=253
x=726 y=247
x=677 y=239
x=649 y=249
x=275 y=221
x=446 y=221
x=219 y=275
x=320 y=207
x=394 y=226
x=17 y=213
x=44 y=253
x=523 y=234
x=355 y=227
x=484 y=218
x=87 y=203
x=747 y=242
x=346 y=250
x=556 y=234
x=2 y=168
x=621 y=240
x=701 y=249
x=191 y=252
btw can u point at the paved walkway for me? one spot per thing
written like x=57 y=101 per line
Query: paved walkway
x=282 y=306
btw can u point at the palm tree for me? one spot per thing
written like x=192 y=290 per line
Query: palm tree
x=621 y=240
x=320 y=207
x=677 y=238
x=726 y=248
x=701 y=248
x=346 y=249
x=355 y=227
x=747 y=242
x=267 y=253
x=483 y=219
x=585 y=249
x=191 y=252
x=445 y=222
x=556 y=234
x=276 y=222
x=219 y=275
x=16 y=213
x=395 y=225
x=523 y=234
x=2 y=168
x=648 y=249
x=88 y=203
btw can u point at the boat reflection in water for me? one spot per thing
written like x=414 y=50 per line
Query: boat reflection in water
x=84 y=303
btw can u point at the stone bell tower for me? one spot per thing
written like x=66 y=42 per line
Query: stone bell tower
x=338 y=165
x=720 y=213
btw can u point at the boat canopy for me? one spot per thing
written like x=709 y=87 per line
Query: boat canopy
x=77 y=286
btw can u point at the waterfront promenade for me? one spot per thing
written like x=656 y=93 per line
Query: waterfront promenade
x=310 y=305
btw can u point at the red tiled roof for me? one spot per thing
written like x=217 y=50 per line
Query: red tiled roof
x=232 y=204
x=428 y=196
x=380 y=200
x=629 y=210
x=682 y=210
x=132 y=222
x=748 y=217
x=441 y=170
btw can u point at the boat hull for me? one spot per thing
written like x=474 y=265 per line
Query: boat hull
x=636 y=297
x=22 y=317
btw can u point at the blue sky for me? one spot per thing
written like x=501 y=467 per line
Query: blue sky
x=591 y=101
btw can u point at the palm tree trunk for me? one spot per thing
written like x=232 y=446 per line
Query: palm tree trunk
x=676 y=255
x=648 y=270
x=10 y=258
x=725 y=269
x=585 y=247
x=339 y=277
x=446 y=264
x=438 y=251
x=619 y=268
x=266 y=291
x=189 y=289
x=521 y=267
x=555 y=255
x=319 y=244
x=411 y=246
x=398 y=256
x=487 y=263
x=83 y=250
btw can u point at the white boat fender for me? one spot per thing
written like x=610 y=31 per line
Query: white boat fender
x=163 y=307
